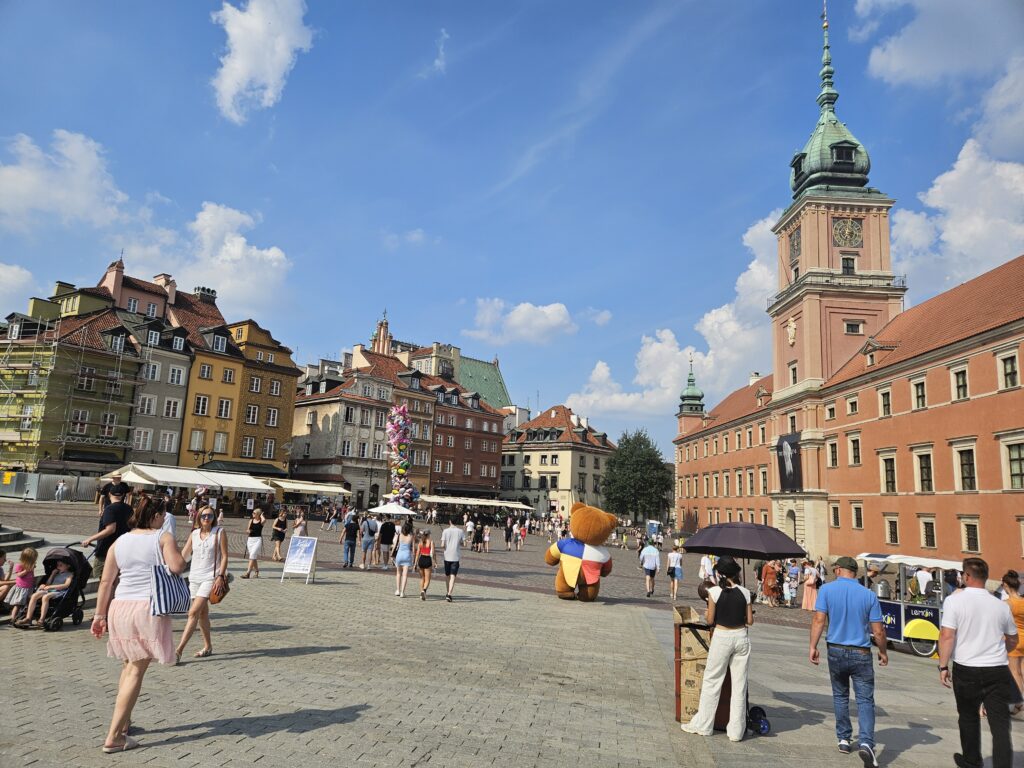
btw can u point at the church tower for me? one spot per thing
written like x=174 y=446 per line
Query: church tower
x=691 y=405
x=836 y=285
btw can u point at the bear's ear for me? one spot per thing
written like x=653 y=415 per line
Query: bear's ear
x=577 y=505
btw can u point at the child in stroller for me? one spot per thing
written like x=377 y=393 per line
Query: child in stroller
x=62 y=593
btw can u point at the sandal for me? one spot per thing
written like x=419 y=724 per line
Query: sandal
x=129 y=743
x=177 y=658
x=203 y=653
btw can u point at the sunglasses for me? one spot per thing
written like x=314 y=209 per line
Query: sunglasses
x=206 y=517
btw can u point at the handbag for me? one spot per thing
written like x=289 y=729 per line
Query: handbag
x=215 y=595
x=168 y=593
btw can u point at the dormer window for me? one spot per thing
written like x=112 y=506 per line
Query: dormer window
x=414 y=384
x=117 y=343
x=13 y=331
x=455 y=398
x=440 y=396
x=220 y=344
x=843 y=154
x=153 y=338
x=323 y=387
x=178 y=344
x=309 y=389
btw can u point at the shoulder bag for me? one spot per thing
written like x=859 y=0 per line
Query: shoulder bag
x=216 y=595
x=168 y=592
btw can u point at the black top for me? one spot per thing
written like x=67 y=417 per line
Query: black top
x=731 y=608
x=351 y=530
x=387 y=533
x=118 y=514
x=280 y=524
x=121 y=489
x=255 y=529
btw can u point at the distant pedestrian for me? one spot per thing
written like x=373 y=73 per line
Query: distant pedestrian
x=854 y=616
x=478 y=537
x=299 y=527
x=487 y=538
x=509 y=531
x=650 y=561
x=254 y=543
x=425 y=561
x=977 y=632
x=368 y=530
x=451 y=542
x=349 y=537
x=277 y=533
x=810 y=579
x=522 y=535
x=386 y=538
x=114 y=523
x=403 y=557
x=675 y=572
x=60 y=494
x=1011 y=590
x=706 y=572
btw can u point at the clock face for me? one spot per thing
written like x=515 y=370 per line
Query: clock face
x=794 y=245
x=848 y=233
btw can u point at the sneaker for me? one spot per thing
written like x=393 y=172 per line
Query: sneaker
x=362 y=567
x=844 y=746
x=397 y=593
x=867 y=754
x=690 y=728
x=448 y=598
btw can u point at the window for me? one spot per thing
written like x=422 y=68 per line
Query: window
x=892 y=530
x=853 y=327
x=739 y=483
x=526 y=458
x=725 y=484
x=79 y=419
x=483 y=471
x=468 y=445
x=117 y=342
x=760 y=434
x=792 y=374
x=223 y=408
x=350 y=414
x=885 y=403
x=205 y=371
x=172 y=408
x=448 y=469
x=544 y=460
x=107 y=423
x=382 y=419
x=346 y=448
x=1009 y=371
x=202 y=405
x=238 y=333
x=965 y=458
x=168 y=442
x=272 y=417
x=764 y=482
x=969 y=535
x=960 y=384
x=252 y=414
x=792 y=423
x=750 y=436
x=248 y=447
x=220 y=343
x=920 y=398
x=924 y=473
x=220 y=442
x=451 y=441
x=364 y=417
x=176 y=375
x=833 y=453
x=843 y=154
x=229 y=376
x=142 y=440
x=928 y=532
x=133 y=305
x=259 y=355
x=178 y=343
x=275 y=387
x=469 y=424
x=438 y=439
x=849 y=265
x=597 y=484
x=197 y=440
x=86 y=379
x=889 y=474
x=451 y=420
x=382 y=394
x=363 y=450
x=147 y=405
x=1015 y=461
x=714 y=480
x=255 y=383
x=852 y=406
x=151 y=371
x=858 y=516
x=437 y=465
x=750 y=482
x=150 y=309
x=378 y=451
x=854 y=451
x=725 y=444
x=153 y=338
x=834 y=515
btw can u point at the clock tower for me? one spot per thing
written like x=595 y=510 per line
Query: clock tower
x=836 y=285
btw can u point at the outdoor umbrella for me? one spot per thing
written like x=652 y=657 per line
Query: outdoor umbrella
x=743 y=540
x=391 y=508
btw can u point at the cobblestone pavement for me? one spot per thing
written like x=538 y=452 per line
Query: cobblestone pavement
x=342 y=669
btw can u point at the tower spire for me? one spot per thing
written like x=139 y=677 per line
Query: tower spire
x=828 y=96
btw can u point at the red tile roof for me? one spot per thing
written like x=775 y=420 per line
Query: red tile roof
x=738 y=405
x=142 y=285
x=192 y=314
x=979 y=305
x=85 y=330
x=558 y=417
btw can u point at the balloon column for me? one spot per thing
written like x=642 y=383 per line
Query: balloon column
x=399 y=432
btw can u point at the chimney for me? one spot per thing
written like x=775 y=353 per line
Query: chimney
x=754 y=376
x=585 y=422
x=575 y=420
x=205 y=295
x=113 y=278
x=166 y=282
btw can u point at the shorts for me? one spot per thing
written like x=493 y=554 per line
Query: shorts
x=675 y=573
x=425 y=561
x=367 y=544
x=451 y=567
x=200 y=588
x=651 y=572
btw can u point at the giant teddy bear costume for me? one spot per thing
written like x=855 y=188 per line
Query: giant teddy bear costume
x=581 y=559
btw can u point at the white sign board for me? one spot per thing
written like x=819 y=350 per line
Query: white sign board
x=301 y=558
x=250 y=504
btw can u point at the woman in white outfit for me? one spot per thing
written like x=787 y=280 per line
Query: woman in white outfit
x=254 y=543
x=208 y=547
x=730 y=613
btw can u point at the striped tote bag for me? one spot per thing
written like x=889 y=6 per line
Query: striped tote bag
x=168 y=592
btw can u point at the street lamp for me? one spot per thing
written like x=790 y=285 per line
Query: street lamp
x=198 y=455
x=370 y=472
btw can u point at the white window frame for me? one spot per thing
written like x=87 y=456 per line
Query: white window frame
x=275 y=387
x=830 y=461
x=252 y=414
x=272 y=414
x=830 y=411
x=857 y=515
x=914 y=382
x=467 y=469
x=152 y=338
x=964 y=521
x=150 y=309
x=178 y=343
x=269 y=448
x=964 y=444
x=224 y=408
x=176 y=372
x=142 y=439
x=228 y=377
x=1001 y=368
x=953 y=371
x=151 y=371
x=220 y=344
x=220 y=442
x=201 y=405
x=168 y=441
x=248 y=447
x=834 y=516
x=849 y=450
x=197 y=440
x=147 y=405
x=207 y=369
x=917 y=451
x=1006 y=440
x=108 y=424
x=882 y=394
x=133 y=305
x=852 y=405
x=448 y=467
x=172 y=408
x=886 y=519
x=923 y=520
x=883 y=456
x=255 y=384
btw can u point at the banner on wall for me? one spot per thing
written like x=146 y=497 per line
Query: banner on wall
x=787 y=450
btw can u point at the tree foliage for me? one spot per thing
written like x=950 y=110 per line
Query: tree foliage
x=636 y=481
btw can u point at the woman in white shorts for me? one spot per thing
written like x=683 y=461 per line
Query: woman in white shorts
x=208 y=547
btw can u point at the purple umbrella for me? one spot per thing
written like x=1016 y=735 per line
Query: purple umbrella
x=743 y=540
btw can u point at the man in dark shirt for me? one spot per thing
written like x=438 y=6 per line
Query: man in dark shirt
x=348 y=542
x=114 y=486
x=113 y=524
x=387 y=540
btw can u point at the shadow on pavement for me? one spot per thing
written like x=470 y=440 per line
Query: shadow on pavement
x=301 y=721
x=822 y=702
x=302 y=650
x=460 y=599
x=247 y=628
x=895 y=741
x=785 y=719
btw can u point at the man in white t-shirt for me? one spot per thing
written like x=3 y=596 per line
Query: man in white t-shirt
x=707 y=569
x=924 y=579
x=977 y=632
x=650 y=561
x=451 y=541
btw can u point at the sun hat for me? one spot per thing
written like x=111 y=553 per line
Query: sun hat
x=726 y=566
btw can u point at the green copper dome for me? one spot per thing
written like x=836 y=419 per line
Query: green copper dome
x=692 y=399
x=832 y=157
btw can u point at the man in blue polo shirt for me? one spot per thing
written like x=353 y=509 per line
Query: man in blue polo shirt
x=850 y=610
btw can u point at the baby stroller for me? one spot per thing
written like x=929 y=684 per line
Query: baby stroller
x=73 y=602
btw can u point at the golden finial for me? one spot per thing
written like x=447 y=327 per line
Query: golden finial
x=824 y=14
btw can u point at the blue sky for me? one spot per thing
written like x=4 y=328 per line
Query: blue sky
x=582 y=188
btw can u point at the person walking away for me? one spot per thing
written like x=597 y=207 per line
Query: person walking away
x=707 y=569
x=650 y=561
x=386 y=535
x=277 y=533
x=135 y=636
x=254 y=543
x=208 y=547
x=403 y=557
x=851 y=609
x=730 y=613
x=349 y=536
x=810 y=577
x=1011 y=589
x=451 y=541
x=487 y=538
x=425 y=562
x=113 y=525
x=978 y=630
x=509 y=530
x=368 y=530
x=675 y=571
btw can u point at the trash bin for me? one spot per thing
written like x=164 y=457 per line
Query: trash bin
x=692 y=639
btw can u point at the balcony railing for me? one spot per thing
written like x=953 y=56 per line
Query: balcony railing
x=838 y=280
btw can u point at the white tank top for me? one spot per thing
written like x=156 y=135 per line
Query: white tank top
x=203 y=555
x=136 y=554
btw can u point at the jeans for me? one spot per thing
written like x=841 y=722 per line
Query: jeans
x=991 y=686
x=845 y=664
x=333 y=525
x=730 y=650
x=348 y=552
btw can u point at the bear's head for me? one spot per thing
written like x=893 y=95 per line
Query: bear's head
x=591 y=525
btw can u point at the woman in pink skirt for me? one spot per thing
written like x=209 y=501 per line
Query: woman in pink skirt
x=135 y=637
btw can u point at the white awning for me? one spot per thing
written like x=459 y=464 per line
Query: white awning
x=306 y=486
x=235 y=481
x=471 y=502
x=158 y=475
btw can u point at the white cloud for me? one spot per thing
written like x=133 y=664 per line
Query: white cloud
x=439 y=66
x=524 y=322
x=264 y=40
x=737 y=337
x=395 y=240
x=599 y=317
x=16 y=285
x=1001 y=127
x=70 y=182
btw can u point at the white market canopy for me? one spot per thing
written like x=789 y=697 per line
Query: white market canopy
x=160 y=475
x=470 y=502
x=305 y=486
x=391 y=508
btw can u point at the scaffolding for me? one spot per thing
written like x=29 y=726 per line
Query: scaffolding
x=26 y=364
